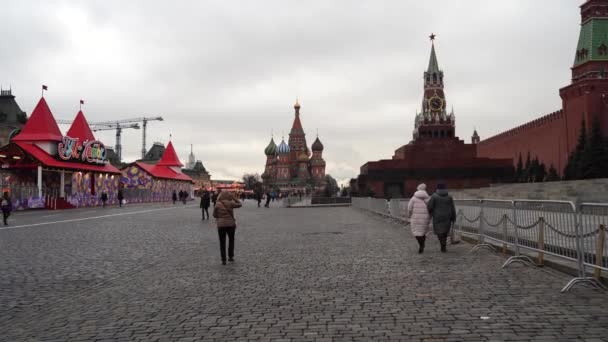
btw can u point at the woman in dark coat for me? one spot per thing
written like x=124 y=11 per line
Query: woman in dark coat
x=442 y=210
x=174 y=196
x=120 y=197
x=205 y=203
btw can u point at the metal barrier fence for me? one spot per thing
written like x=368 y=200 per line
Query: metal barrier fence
x=526 y=228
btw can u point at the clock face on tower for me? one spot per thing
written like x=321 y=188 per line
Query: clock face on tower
x=435 y=103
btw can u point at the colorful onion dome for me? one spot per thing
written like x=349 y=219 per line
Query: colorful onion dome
x=271 y=149
x=283 y=148
x=317 y=145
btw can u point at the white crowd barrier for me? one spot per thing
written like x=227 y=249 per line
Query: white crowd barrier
x=529 y=229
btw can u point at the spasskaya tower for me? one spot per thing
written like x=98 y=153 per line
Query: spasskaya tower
x=434 y=121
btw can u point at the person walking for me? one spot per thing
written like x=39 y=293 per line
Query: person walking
x=174 y=197
x=205 y=203
x=120 y=197
x=420 y=218
x=226 y=223
x=258 y=197
x=442 y=210
x=185 y=196
x=214 y=197
x=7 y=206
x=104 y=199
x=268 y=198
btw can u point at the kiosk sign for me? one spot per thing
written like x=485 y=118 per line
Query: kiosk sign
x=92 y=152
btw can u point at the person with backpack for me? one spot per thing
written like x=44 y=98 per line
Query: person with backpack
x=420 y=219
x=7 y=206
x=205 y=203
x=442 y=210
x=226 y=223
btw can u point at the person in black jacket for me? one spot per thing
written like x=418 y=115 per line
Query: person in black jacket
x=205 y=203
x=120 y=198
x=7 y=206
x=104 y=199
x=442 y=210
x=174 y=196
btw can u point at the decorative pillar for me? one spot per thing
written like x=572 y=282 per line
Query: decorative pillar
x=39 y=181
x=62 y=184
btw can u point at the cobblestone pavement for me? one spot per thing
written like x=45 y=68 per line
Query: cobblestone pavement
x=317 y=274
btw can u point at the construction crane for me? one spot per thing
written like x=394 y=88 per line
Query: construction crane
x=118 y=128
x=119 y=125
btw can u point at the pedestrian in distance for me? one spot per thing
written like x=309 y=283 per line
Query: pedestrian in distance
x=205 y=203
x=121 y=198
x=184 y=196
x=104 y=199
x=7 y=206
x=443 y=212
x=174 y=197
x=420 y=219
x=268 y=198
x=214 y=197
x=258 y=198
x=226 y=223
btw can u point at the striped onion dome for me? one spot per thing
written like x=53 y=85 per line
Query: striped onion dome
x=283 y=148
x=271 y=149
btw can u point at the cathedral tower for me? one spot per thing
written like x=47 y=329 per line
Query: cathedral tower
x=297 y=142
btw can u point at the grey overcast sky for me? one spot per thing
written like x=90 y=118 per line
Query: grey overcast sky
x=225 y=73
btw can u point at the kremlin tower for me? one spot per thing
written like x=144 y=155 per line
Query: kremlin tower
x=290 y=166
x=434 y=155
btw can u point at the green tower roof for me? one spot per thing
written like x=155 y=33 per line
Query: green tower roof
x=592 y=42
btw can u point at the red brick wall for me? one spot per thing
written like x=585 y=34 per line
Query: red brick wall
x=545 y=137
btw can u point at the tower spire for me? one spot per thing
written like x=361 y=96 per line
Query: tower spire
x=433 y=64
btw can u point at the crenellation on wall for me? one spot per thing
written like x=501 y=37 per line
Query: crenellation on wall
x=548 y=118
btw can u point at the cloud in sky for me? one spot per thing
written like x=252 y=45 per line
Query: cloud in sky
x=224 y=74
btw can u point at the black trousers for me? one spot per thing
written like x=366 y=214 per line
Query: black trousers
x=205 y=210
x=5 y=215
x=421 y=240
x=442 y=239
x=223 y=232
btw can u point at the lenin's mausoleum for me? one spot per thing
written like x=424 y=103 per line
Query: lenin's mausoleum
x=436 y=155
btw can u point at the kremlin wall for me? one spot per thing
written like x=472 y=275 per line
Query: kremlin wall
x=554 y=136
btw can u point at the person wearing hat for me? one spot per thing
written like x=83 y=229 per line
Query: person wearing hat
x=420 y=218
x=226 y=223
x=443 y=212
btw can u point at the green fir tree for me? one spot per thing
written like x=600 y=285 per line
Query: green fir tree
x=527 y=174
x=519 y=171
x=552 y=175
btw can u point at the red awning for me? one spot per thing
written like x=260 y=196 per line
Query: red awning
x=163 y=172
x=51 y=162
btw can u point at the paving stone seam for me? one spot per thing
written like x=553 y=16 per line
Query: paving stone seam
x=54 y=306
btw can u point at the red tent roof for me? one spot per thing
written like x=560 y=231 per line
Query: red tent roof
x=49 y=161
x=80 y=129
x=169 y=158
x=160 y=171
x=41 y=125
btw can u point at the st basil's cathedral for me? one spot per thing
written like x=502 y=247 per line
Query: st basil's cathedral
x=291 y=166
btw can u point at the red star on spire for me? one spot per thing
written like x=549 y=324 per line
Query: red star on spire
x=432 y=36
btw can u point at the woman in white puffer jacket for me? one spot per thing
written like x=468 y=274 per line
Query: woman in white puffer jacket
x=418 y=213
